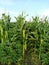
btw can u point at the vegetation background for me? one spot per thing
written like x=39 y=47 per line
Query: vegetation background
x=24 y=42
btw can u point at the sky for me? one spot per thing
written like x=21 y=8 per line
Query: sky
x=30 y=7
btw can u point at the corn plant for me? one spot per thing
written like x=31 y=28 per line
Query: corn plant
x=24 y=42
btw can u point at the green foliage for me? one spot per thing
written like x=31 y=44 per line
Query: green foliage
x=24 y=42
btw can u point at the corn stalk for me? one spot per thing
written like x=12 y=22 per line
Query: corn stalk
x=1 y=29
x=24 y=42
